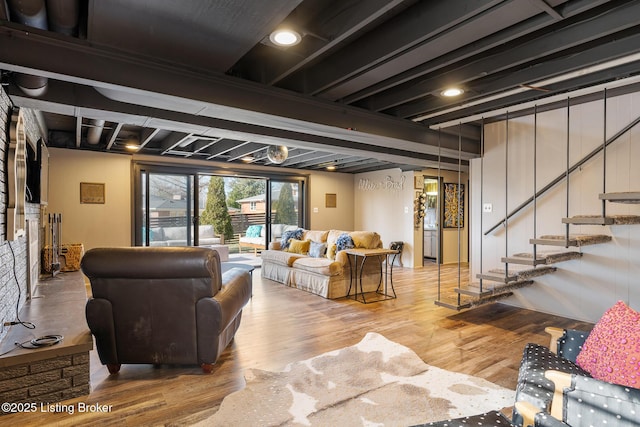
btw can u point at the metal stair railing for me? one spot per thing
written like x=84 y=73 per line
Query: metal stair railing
x=564 y=175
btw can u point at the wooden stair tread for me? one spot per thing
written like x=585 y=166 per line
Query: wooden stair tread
x=631 y=197
x=600 y=220
x=588 y=220
x=576 y=240
x=541 y=258
x=453 y=304
x=473 y=289
x=498 y=274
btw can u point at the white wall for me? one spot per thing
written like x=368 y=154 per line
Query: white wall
x=581 y=289
x=384 y=203
x=93 y=225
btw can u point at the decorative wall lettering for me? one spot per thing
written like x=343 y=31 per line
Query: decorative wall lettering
x=387 y=184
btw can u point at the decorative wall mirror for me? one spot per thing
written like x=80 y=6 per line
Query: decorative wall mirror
x=16 y=176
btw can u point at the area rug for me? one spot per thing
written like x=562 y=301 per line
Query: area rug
x=374 y=383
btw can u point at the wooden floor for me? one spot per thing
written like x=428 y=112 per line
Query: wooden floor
x=282 y=325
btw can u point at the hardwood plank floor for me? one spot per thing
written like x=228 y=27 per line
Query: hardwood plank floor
x=282 y=325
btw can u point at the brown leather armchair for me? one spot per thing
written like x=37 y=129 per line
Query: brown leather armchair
x=162 y=305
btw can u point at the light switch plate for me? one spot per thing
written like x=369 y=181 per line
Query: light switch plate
x=487 y=207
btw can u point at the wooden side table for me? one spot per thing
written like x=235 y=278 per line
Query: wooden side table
x=356 y=273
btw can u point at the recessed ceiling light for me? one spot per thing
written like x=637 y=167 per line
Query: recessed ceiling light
x=132 y=147
x=285 y=37
x=452 y=91
x=247 y=159
x=331 y=168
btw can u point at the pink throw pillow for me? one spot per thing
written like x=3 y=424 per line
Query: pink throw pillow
x=611 y=352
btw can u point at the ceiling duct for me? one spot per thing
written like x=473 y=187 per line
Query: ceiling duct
x=62 y=18
x=95 y=131
x=34 y=14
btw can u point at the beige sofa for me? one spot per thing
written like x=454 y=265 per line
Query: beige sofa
x=328 y=276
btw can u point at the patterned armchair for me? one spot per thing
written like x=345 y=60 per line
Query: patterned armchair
x=579 y=400
x=533 y=387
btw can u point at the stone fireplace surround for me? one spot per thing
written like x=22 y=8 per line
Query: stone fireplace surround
x=59 y=372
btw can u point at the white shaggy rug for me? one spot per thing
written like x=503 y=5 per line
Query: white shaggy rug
x=373 y=383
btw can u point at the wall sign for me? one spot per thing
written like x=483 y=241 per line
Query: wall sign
x=387 y=184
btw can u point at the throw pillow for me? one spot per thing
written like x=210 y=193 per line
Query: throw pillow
x=288 y=235
x=299 y=246
x=344 y=242
x=611 y=352
x=253 y=231
x=365 y=239
x=317 y=250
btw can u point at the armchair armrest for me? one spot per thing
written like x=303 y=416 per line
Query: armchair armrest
x=234 y=295
x=528 y=412
x=566 y=343
x=555 y=335
x=561 y=381
x=582 y=400
x=535 y=417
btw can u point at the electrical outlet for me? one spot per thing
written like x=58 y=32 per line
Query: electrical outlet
x=487 y=207
x=406 y=209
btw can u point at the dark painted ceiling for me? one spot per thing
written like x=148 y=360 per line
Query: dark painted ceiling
x=362 y=91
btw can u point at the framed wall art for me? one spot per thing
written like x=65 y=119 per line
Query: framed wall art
x=330 y=200
x=92 y=192
x=453 y=205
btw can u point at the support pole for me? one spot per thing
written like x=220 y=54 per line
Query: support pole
x=568 y=162
x=506 y=196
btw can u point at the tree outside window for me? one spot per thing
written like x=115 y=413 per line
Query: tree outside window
x=216 y=211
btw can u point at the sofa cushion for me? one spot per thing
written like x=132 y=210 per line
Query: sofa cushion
x=206 y=231
x=323 y=266
x=175 y=233
x=299 y=246
x=331 y=242
x=316 y=235
x=317 y=250
x=611 y=352
x=366 y=239
x=280 y=257
x=276 y=230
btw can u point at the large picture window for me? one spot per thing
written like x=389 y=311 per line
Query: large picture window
x=179 y=207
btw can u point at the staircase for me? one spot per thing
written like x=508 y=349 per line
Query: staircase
x=503 y=281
